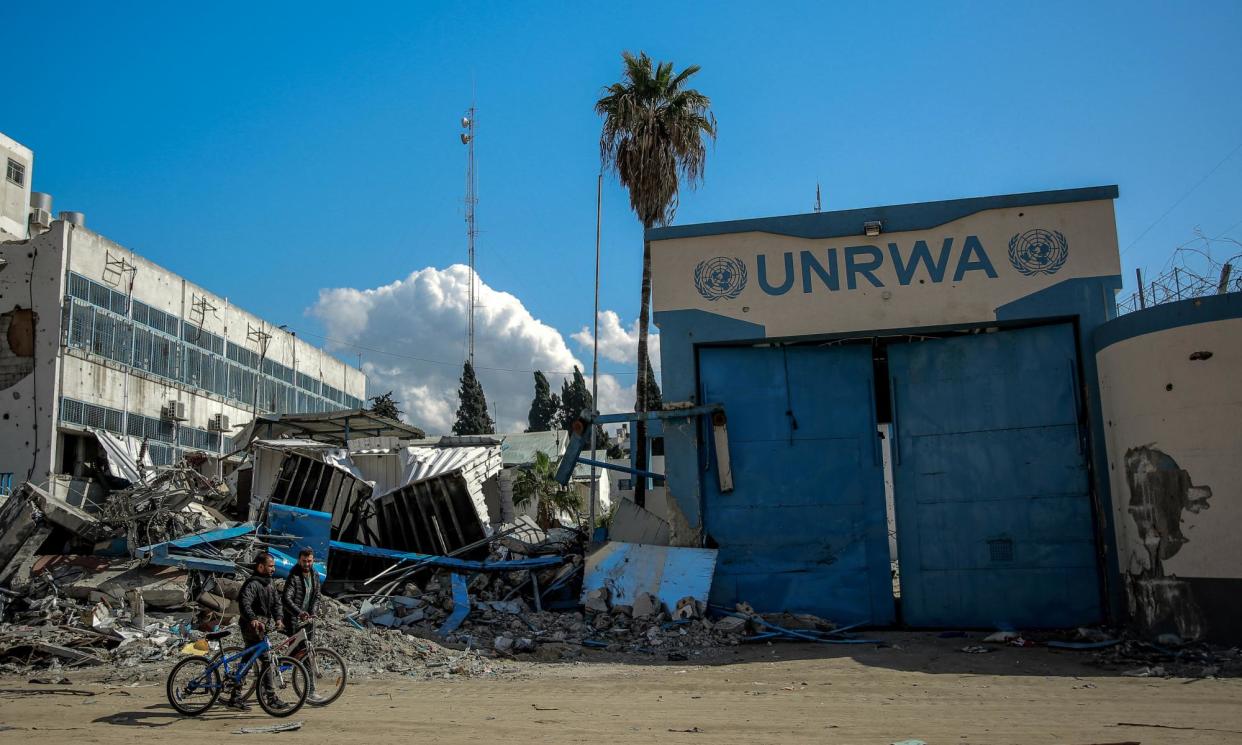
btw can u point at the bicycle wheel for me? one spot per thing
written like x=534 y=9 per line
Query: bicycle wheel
x=193 y=686
x=249 y=682
x=328 y=676
x=288 y=691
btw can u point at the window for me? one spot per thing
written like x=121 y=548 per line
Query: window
x=16 y=173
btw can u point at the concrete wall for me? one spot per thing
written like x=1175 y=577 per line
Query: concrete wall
x=1171 y=387
x=14 y=198
x=29 y=348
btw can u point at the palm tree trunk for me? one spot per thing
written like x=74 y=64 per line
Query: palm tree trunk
x=640 y=426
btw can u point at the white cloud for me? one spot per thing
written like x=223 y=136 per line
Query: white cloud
x=424 y=316
x=617 y=343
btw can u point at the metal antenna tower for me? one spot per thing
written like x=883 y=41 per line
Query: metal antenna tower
x=472 y=199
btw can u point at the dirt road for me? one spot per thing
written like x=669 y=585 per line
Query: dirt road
x=921 y=687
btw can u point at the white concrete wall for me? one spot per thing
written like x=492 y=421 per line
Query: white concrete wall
x=14 y=198
x=33 y=279
x=1177 y=517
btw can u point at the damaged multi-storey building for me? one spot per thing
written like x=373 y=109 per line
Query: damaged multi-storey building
x=99 y=343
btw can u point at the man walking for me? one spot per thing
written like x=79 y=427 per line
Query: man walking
x=301 y=595
x=260 y=605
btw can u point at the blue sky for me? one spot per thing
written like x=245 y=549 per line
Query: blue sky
x=271 y=150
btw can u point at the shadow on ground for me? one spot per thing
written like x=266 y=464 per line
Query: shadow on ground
x=922 y=652
x=163 y=715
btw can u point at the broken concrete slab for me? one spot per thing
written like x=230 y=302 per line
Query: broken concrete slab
x=647 y=605
x=95 y=578
x=633 y=524
x=597 y=600
x=19 y=519
x=668 y=572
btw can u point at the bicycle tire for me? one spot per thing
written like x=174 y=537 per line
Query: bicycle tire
x=176 y=694
x=316 y=699
x=294 y=669
x=250 y=682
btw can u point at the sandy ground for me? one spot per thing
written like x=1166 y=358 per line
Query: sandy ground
x=921 y=687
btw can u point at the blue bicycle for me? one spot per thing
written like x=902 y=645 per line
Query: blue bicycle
x=195 y=683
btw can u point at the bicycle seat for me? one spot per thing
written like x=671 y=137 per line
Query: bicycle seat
x=215 y=636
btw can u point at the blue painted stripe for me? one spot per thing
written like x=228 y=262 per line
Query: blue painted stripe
x=1169 y=316
x=895 y=218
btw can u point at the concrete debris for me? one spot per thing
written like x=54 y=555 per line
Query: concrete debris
x=647 y=605
x=270 y=729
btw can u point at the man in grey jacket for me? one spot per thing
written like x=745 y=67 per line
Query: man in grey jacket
x=301 y=593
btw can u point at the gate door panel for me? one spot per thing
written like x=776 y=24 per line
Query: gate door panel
x=994 y=520
x=804 y=528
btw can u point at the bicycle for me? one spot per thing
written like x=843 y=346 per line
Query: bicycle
x=328 y=673
x=208 y=678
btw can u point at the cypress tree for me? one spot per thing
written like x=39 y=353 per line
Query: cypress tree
x=544 y=408
x=472 y=416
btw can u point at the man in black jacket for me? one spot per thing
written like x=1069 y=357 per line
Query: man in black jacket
x=260 y=605
x=301 y=594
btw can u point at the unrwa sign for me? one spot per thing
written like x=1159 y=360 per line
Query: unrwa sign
x=1035 y=251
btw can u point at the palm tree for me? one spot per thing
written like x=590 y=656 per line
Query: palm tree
x=655 y=135
x=536 y=484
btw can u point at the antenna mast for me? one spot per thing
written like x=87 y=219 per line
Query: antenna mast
x=472 y=198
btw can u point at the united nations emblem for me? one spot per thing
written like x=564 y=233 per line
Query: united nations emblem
x=1038 y=251
x=720 y=277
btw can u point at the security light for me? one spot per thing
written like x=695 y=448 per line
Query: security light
x=871 y=228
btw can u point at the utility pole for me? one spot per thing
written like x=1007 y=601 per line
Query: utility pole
x=599 y=201
x=472 y=198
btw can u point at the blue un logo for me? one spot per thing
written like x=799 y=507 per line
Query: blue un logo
x=720 y=277
x=1038 y=251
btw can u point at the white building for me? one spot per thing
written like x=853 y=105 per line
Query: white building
x=93 y=336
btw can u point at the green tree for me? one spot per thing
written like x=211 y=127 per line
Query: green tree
x=648 y=386
x=655 y=135
x=545 y=408
x=536 y=484
x=576 y=397
x=385 y=406
x=472 y=416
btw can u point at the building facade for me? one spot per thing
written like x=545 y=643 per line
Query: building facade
x=95 y=337
x=952 y=340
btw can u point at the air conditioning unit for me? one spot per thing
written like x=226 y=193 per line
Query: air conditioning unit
x=40 y=217
x=218 y=423
x=175 y=410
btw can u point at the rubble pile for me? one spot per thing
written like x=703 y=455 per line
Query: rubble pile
x=1169 y=657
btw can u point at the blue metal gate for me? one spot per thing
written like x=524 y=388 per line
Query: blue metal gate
x=804 y=528
x=994 y=523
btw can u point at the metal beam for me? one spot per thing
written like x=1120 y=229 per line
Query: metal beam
x=617 y=467
x=448 y=562
x=690 y=411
